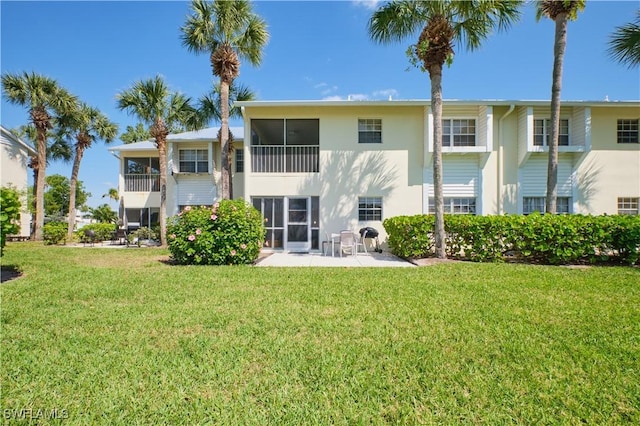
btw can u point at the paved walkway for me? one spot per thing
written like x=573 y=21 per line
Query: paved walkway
x=317 y=259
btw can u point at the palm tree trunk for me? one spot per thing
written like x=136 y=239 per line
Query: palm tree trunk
x=556 y=87
x=162 y=157
x=73 y=183
x=435 y=74
x=33 y=206
x=41 y=140
x=224 y=139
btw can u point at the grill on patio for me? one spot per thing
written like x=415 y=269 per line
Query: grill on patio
x=372 y=233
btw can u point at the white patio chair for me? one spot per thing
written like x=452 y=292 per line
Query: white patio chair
x=347 y=243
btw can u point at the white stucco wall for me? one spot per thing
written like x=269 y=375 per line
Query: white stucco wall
x=14 y=157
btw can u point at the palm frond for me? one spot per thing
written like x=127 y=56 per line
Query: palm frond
x=397 y=20
x=624 y=43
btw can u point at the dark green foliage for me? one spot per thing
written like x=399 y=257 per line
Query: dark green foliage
x=54 y=233
x=104 y=214
x=9 y=214
x=549 y=239
x=230 y=233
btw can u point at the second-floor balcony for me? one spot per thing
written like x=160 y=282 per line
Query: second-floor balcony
x=285 y=159
x=142 y=182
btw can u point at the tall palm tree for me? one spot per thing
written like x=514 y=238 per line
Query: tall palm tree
x=624 y=44
x=86 y=125
x=209 y=109
x=58 y=149
x=442 y=24
x=227 y=31
x=561 y=12
x=154 y=104
x=43 y=97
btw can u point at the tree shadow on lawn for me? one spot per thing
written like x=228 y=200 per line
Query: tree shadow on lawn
x=9 y=272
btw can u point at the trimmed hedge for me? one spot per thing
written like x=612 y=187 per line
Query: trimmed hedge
x=548 y=239
x=104 y=231
x=54 y=233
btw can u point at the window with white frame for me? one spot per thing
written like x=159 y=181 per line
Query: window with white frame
x=239 y=153
x=542 y=132
x=628 y=131
x=369 y=130
x=459 y=132
x=628 y=205
x=538 y=204
x=455 y=205
x=369 y=208
x=194 y=161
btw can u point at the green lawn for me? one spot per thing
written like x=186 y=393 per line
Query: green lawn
x=121 y=337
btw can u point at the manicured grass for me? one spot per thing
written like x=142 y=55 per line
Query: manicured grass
x=120 y=337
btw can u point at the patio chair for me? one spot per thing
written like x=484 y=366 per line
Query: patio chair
x=119 y=236
x=347 y=243
x=89 y=237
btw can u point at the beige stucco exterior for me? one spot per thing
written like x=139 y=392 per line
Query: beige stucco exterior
x=14 y=160
x=348 y=170
x=502 y=168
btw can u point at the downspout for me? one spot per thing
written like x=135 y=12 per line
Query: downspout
x=501 y=159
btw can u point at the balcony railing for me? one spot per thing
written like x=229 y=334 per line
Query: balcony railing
x=285 y=159
x=142 y=183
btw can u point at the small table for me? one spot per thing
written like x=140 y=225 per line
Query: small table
x=335 y=238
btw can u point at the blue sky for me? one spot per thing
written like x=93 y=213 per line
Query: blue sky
x=317 y=50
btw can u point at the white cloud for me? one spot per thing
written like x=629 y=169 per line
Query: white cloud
x=385 y=94
x=358 y=97
x=333 y=98
x=368 y=4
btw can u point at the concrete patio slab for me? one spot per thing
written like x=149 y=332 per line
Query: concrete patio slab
x=371 y=260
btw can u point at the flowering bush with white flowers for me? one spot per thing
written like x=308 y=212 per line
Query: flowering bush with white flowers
x=229 y=233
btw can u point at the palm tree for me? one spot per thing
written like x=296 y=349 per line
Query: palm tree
x=209 y=109
x=153 y=103
x=442 y=23
x=624 y=44
x=561 y=12
x=227 y=31
x=43 y=97
x=59 y=149
x=135 y=134
x=86 y=125
x=112 y=193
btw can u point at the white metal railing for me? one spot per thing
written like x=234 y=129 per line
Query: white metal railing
x=285 y=159
x=142 y=183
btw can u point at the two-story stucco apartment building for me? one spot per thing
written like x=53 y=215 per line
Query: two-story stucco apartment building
x=316 y=167
x=14 y=160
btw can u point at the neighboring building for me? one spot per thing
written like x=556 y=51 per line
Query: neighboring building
x=316 y=167
x=192 y=174
x=14 y=160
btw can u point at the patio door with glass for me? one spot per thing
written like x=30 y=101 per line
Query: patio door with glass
x=298 y=224
x=292 y=223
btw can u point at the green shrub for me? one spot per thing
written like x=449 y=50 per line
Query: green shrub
x=143 y=234
x=54 y=233
x=231 y=232
x=9 y=214
x=410 y=236
x=103 y=231
x=548 y=239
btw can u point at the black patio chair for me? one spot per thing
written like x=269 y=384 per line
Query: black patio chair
x=89 y=237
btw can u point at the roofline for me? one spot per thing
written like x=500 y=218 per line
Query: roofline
x=427 y=102
x=13 y=137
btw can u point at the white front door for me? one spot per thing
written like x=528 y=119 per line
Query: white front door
x=298 y=224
